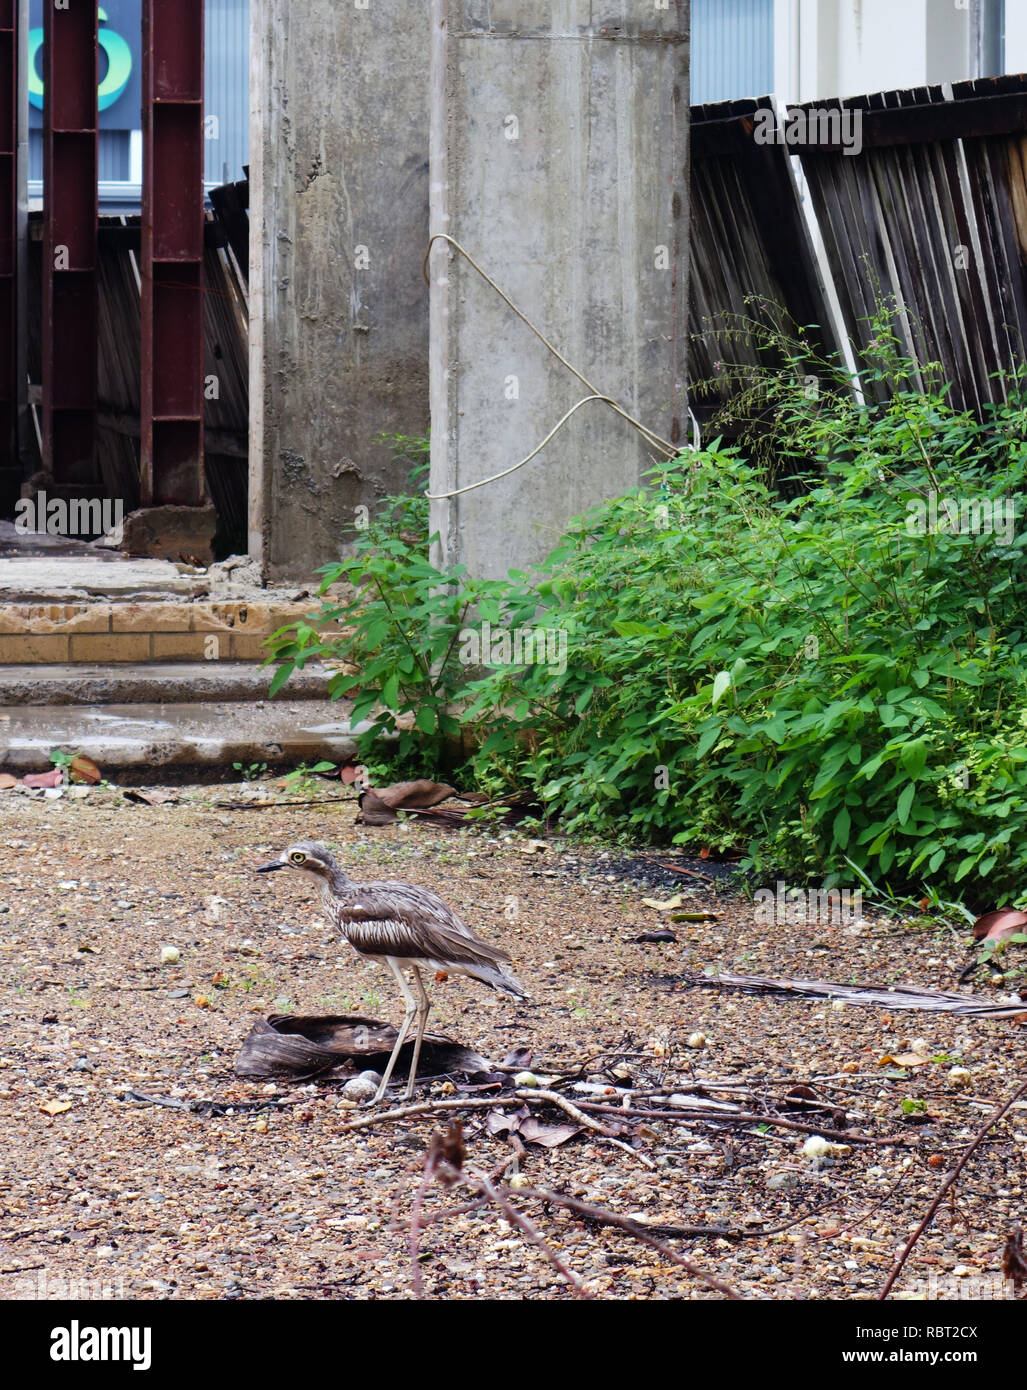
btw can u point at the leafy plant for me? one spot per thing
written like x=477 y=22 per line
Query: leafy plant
x=301 y=778
x=817 y=674
x=994 y=951
x=397 y=650
x=811 y=678
x=250 y=771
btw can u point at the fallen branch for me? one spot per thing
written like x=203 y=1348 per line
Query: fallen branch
x=896 y=997
x=485 y=1103
x=424 y=1107
x=569 y=1108
x=518 y=1219
x=747 y=1117
x=274 y=805
x=208 y=1107
x=949 y=1179
x=444 y=1162
x=632 y=1228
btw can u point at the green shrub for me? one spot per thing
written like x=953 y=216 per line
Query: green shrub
x=400 y=636
x=808 y=678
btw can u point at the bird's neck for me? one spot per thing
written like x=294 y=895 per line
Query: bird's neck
x=339 y=882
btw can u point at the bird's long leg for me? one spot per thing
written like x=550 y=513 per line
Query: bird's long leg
x=423 y=1009
x=404 y=1027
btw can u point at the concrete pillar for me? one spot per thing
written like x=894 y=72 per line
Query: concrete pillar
x=559 y=161
x=338 y=228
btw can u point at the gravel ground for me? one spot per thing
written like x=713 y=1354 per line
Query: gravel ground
x=105 y=1196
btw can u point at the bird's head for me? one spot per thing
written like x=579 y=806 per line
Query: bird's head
x=309 y=856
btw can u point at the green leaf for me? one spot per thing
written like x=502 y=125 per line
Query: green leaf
x=708 y=739
x=279 y=678
x=390 y=692
x=913 y=757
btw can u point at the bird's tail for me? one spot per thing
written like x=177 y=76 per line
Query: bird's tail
x=494 y=975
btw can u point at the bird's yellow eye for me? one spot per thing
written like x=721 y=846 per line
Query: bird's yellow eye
x=297 y=856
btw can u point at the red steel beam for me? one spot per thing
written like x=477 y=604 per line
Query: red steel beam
x=70 y=144
x=8 y=230
x=171 y=425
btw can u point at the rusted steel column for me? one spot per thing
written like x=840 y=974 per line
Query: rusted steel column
x=171 y=425
x=70 y=141
x=8 y=228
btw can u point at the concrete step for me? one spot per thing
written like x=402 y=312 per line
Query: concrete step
x=180 y=682
x=74 y=578
x=279 y=732
x=59 y=609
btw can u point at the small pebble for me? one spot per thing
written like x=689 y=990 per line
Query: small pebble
x=359 y=1089
x=781 y=1182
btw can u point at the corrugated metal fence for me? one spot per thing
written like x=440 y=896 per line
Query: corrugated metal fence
x=732 y=48
x=931 y=211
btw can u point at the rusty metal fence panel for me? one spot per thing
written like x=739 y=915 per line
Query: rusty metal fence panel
x=752 y=261
x=927 y=210
x=171 y=372
x=70 y=135
x=933 y=213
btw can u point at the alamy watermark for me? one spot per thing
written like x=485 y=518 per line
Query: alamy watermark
x=519 y=646
x=962 y=516
x=76 y=1342
x=981 y=1287
x=70 y=516
x=840 y=126
x=68 y=1289
x=821 y=907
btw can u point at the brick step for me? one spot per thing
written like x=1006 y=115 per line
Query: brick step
x=169 y=630
x=183 y=682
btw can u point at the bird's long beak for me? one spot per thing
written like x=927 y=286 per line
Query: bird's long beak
x=270 y=868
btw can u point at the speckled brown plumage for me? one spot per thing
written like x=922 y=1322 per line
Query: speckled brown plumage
x=403 y=925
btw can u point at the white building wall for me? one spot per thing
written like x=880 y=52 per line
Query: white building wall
x=1016 y=36
x=829 y=48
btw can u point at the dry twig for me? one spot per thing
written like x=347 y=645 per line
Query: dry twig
x=949 y=1179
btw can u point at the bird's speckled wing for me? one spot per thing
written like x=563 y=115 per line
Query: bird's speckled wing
x=399 y=919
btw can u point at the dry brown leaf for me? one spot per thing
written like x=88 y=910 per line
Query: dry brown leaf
x=55 y=1107
x=84 y=771
x=1000 y=925
x=667 y=905
x=150 y=797
x=54 y=778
